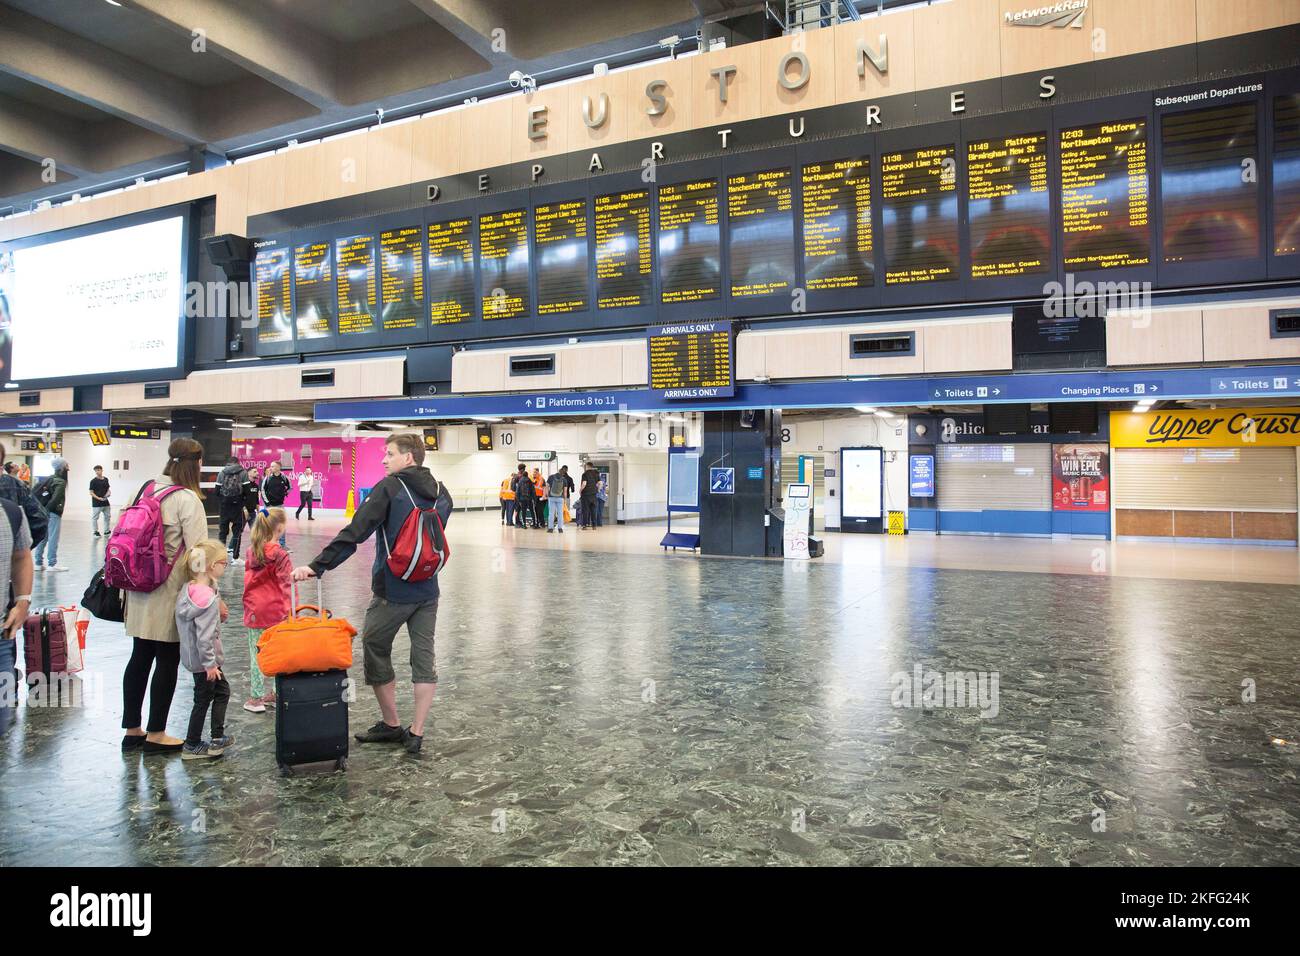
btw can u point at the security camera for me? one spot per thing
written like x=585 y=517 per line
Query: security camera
x=522 y=81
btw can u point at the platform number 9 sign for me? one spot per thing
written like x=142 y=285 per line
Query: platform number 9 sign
x=651 y=438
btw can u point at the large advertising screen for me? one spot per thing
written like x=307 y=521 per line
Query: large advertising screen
x=98 y=304
x=862 y=483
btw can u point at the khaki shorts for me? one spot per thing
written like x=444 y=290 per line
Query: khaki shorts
x=383 y=620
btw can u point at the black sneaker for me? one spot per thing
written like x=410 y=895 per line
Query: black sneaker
x=410 y=741
x=382 y=733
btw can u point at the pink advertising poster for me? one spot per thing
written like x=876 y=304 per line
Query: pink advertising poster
x=329 y=458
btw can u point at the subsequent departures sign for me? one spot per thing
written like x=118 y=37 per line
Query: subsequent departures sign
x=691 y=360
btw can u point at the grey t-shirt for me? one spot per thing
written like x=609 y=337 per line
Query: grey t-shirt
x=11 y=542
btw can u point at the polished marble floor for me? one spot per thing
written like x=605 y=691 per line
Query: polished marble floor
x=603 y=703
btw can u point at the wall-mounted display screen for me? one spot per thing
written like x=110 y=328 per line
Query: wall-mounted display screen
x=918 y=192
x=503 y=262
x=624 y=250
x=314 y=290
x=1209 y=184
x=560 y=230
x=271 y=279
x=760 y=228
x=451 y=271
x=690 y=258
x=1286 y=175
x=97 y=304
x=1009 y=206
x=838 y=246
x=401 y=278
x=355 y=258
x=1106 y=195
x=691 y=360
x=861 y=483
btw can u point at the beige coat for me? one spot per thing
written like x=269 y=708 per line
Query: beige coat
x=152 y=616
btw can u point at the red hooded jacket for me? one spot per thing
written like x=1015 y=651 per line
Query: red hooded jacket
x=267 y=586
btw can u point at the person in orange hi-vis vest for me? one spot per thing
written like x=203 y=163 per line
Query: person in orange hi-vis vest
x=507 y=500
x=539 y=503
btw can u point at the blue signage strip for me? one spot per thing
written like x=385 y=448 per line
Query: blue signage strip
x=1282 y=380
x=58 y=421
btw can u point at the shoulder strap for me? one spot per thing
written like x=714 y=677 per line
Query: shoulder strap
x=146 y=488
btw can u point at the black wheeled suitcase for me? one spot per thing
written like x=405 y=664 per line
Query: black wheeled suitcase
x=311 y=719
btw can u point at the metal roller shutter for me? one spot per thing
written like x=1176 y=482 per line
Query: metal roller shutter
x=1218 y=479
x=994 y=477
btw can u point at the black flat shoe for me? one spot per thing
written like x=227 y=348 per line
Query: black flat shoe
x=150 y=747
x=130 y=742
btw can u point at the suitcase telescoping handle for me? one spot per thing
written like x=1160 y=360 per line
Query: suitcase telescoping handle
x=318 y=607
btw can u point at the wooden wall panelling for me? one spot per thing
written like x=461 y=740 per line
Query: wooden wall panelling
x=1129 y=27
x=1264 y=526
x=1240 y=334
x=436 y=145
x=1217 y=18
x=900 y=28
x=977 y=346
x=617 y=91
x=1160 y=337
x=1030 y=49
x=744 y=101
x=636 y=363
x=1142 y=523
x=343 y=166
x=958 y=42
x=389 y=155
x=678 y=94
x=485 y=134
x=303 y=170
x=556 y=102
x=819 y=47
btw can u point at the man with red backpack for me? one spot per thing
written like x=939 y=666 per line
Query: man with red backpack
x=408 y=509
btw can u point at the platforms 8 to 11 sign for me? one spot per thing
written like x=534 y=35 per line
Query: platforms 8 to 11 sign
x=691 y=360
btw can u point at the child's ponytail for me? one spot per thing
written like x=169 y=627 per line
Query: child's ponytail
x=264 y=531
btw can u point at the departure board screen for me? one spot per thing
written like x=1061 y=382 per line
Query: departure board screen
x=560 y=231
x=1105 y=195
x=451 y=271
x=1286 y=175
x=760 y=229
x=691 y=361
x=838 y=243
x=503 y=260
x=1210 y=207
x=624 y=253
x=918 y=191
x=355 y=256
x=271 y=274
x=1009 y=206
x=401 y=278
x=690 y=256
x=313 y=289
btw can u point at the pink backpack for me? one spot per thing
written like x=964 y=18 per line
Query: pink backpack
x=136 y=558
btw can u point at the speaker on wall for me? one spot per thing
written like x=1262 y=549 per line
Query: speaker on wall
x=231 y=254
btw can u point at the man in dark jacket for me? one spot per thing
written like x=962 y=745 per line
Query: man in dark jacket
x=252 y=495
x=275 y=487
x=230 y=492
x=407 y=486
x=52 y=493
x=12 y=489
x=525 y=495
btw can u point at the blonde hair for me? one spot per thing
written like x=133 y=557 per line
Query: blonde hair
x=264 y=531
x=203 y=556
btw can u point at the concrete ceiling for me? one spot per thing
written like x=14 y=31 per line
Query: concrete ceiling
x=108 y=92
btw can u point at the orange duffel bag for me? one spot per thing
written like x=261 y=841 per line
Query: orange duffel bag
x=303 y=644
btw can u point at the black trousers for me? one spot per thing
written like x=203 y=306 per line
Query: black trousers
x=588 y=508
x=232 y=523
x=164 y=659
x=215 y=693
x=523 y=510
x=538 y=513
x=304 y=501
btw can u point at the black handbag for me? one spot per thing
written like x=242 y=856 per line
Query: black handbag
x=103 y=601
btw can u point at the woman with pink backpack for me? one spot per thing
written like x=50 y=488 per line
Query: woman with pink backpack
x=151 y=615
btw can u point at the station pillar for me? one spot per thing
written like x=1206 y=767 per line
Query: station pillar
x=742 y=521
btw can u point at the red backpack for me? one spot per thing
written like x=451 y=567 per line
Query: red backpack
x=421 y=549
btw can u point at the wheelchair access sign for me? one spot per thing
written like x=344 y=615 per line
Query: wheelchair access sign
x=722 y=481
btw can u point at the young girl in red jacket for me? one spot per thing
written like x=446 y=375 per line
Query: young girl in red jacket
x=268 y=580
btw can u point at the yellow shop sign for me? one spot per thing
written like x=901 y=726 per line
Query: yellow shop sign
x=1206 y=428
